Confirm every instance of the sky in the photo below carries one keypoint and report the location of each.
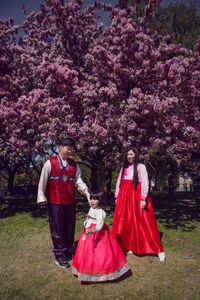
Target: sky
(12, 8)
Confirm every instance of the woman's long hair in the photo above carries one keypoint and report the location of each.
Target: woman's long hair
(126, 165)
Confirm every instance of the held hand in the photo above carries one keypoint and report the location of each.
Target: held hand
(143, 204)
(85, 191)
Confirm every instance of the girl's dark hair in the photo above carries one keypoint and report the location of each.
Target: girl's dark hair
(126, 164)
(100, 196)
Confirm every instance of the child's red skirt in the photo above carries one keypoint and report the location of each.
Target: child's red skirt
(99, 257)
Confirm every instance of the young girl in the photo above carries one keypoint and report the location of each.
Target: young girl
(98, 256)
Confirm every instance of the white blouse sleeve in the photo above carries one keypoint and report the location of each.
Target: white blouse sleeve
(80, 185)
(118, 184)
(44, 177)
(143, 178)
(100, 216)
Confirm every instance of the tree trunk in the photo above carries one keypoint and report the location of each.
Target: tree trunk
(94, 178)
(156, 180)
(172, 176)
(108, 179)
(96, 165)
(11, 177)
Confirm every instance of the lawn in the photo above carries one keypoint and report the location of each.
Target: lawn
(28, 271)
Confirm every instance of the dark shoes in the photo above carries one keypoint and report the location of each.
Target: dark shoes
(61, 261)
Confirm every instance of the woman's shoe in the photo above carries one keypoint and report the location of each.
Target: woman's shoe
(161, 256)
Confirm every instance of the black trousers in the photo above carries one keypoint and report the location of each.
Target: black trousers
(62, 220)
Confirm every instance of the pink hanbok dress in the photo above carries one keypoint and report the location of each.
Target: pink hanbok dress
(134, 229)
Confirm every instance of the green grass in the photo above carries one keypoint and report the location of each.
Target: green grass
(28, 271)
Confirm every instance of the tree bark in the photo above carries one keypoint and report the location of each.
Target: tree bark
(108, 178)
(172, 176)
(94, 178)
(11, 177)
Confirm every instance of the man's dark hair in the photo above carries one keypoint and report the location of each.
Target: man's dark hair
(67, 142)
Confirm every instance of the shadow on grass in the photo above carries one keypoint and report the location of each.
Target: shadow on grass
(10, 205)
(123, 277)
(173, 211)
(73, 249)
(177, 210)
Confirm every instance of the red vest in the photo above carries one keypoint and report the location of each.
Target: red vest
(61, 181)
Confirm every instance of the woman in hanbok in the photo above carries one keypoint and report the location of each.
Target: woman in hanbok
(134, 223)
(98, 256)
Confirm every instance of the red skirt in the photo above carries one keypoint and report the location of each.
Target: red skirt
(134, 229)
(99, 257)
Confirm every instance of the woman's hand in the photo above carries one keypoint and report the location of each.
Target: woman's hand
(88, 230)
(143, 204)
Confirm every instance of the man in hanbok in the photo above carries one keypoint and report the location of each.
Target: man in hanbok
(59, 176)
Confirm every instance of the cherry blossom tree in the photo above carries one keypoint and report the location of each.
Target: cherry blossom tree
(107, 88)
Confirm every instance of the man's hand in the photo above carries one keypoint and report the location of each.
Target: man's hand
(85, 192)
